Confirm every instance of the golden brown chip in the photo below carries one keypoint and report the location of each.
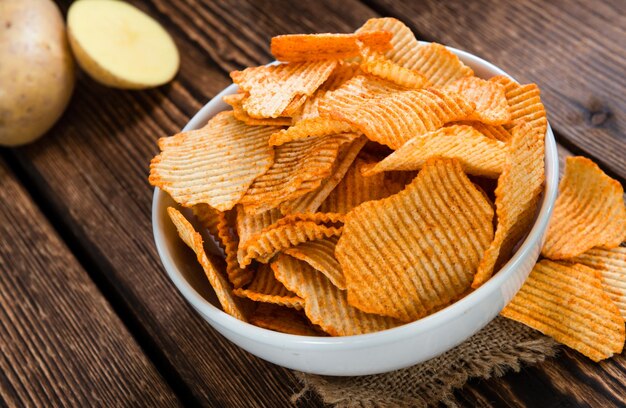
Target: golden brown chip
(283, 320)
(410, 254)
(249, 225)
(375, 63)
(355, 189)
(230, 304)
(493, 132)
(280, 90)
(357, 90)
(492, 107)
(524, 103)
(315, 47)
(312, 200)
(395, 118)
(192, 164)
(314, 127)
(478, 154)
(589, 212)
(567, 303)
(208, 218)
(299, 167)
(324, 304)
(236, 101)
(516, 198)
(320, 254)
(287, 232)
(228, 237)
(611, 263)
(265, 288)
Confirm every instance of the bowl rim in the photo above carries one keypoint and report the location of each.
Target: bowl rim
(449, 313)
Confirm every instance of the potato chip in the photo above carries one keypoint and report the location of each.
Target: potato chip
(286, 232)
(315, 127)
(236, 102)
(248, 225)
(299, 167)
(567, 303)
(516, 198)
(191, 165)
(355, 189)
(265, 288)
(478, 154)
(228, 237)
(611, 263)
(394, 119)
(230, 304)
(356, 91)
(497, 132)
(208, 218)
(524, 104)
(492, 107)
(428, 239)
(375, 63)
(324, 304)
(312, 200)
(320, 254)
(283, 320)
(589, 212)
(280, 90)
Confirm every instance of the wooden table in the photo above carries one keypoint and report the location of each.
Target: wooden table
(87, 314)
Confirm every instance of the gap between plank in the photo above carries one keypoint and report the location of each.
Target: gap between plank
(99, 278)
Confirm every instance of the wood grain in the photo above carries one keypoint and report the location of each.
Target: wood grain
(61, 343)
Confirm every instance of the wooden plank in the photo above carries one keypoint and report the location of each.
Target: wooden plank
(574, 50)
(61, 343)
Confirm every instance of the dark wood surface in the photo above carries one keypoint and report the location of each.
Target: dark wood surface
(82, 197)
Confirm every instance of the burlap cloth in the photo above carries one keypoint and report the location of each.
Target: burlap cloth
(501, 346)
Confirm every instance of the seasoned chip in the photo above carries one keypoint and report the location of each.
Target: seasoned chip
(524, 103)
(497, 132)
(355, 189)
(286, 232)
(314, 127)
(248, 225)
(312, 200)
(320, 254)
(192, 164)
(228, 237)
(265, 288)
(478, 154)
(567, 303)
(315, 47)
(208, 218)
(375, 63)
(230, 304)
(428, 240)
(280, 90)
(236, 101)
(358, 90)
(516, 198)
(589, 212)
(284, 320)
(395, 118)
(611, 263)
(299, 167)
(324, 304)
(492, 107)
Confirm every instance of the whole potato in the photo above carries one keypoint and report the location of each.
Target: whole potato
(36, 69)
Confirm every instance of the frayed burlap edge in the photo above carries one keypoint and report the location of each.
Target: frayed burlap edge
(501, 346)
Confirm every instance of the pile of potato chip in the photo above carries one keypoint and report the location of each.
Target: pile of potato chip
(368, 180)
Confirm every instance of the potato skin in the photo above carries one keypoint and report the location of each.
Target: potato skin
(36, 69)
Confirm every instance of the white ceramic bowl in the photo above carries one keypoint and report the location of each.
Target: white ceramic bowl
(369, 353)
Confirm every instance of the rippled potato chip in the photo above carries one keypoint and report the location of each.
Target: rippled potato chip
(230, 304)
(312, 200)
(320, 254)
(314, 127)
(236, 102)
(280, 90)
(283, 320)
(191, 165)
(375, 63)
(228, 237)
(492, 107)
(567, 303)
(422, 111)
(324, 304)
(208, 218)
(248, 225)
(265, 288)
(589, 212)
(478, 154)
(524, 104)
(517, 195)
(611, 263)
(428, 239)
(299, 167)
(497, 132)
(314, 47)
